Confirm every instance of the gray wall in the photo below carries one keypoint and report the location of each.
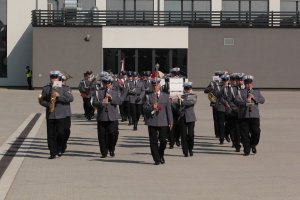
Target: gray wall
(65, 49)
(271, 55)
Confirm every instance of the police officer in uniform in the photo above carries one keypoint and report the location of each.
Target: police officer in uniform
(67, 109)
(214, 87)
(29, 77)
(126, 97)
(187, 119)
(106, 100)
(174, 135)
(86, 89)
(159, 119)
(248, 100)
(54, 99)
(136, 94)
(122, 89)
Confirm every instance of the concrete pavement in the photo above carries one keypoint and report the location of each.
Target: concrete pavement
(214, 172)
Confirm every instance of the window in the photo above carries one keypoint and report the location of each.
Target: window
(289, 6)
(245, 5)
(130, 5)
(238, 13)
(187, 5)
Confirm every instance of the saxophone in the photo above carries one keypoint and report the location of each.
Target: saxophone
(52, 100)
(211, 97)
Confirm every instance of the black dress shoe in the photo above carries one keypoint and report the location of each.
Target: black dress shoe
(186, 155)
(171, 146)
(221, 142)
(162, 160)
(156, 163)
(59, 154)
(227, 138)
(191, 152)
(112, 154)
(246, 154)
(52, 157)
(254, 150)
(103, 156)
(135, 128)
(238, 149)
(178, 143)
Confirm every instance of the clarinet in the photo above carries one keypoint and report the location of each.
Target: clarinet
(105, 93)
(250, 109)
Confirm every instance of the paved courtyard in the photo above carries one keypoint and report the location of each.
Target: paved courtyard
(214, 172)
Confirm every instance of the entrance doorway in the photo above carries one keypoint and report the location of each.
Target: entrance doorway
(145, 59)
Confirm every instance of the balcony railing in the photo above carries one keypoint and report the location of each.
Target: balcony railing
(96, 18)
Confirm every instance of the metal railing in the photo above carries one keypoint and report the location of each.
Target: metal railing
(164, 18)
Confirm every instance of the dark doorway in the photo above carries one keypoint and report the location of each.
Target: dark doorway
(145, 60)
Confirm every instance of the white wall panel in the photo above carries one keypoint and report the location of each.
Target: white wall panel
(274, 5)
(19, 40)
(101, 4)
(148, 37)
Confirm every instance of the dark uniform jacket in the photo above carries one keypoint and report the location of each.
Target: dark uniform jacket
(160, 118)
(188, 103)
(106, 112)
(249, 110)
(136, 91)
(62, 109)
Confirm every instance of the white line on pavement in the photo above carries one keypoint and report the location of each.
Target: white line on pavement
(12, 170)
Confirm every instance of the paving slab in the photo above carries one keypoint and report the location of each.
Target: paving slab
(214, 172)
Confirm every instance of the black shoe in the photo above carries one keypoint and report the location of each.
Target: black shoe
(135, 128)
(254, 150)
(130, 123)
(112, 154)
(221, 142)
(186, 155)
(59, 154)
(178, 143)
(171, 146)
(238, 149)
(52, 157)
(156, 163)
(227, 138)
(191, 152)
(162, 160)
(103, 156)
(246, 154)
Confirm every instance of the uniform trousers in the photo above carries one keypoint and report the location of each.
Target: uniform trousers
(123, 111)
(158, 133)
(107, 136)
(55, 130)
(127, 110)
(250, 133)
(88, 108)
(135, 110)
(215, 118)
(67, 133)
(176, 129)
(234, 130)
(221, 125)
(187, 136)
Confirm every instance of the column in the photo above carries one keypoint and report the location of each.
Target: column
(216, 5)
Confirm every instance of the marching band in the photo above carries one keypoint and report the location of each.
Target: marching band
(166, 104)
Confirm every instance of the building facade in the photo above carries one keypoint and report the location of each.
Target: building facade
(258, 37)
